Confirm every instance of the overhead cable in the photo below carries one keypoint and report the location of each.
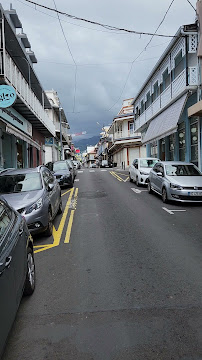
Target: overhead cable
(75, 75)
(141, 54)
(108, 27)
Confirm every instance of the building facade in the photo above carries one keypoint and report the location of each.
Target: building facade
(126, 143)
(161, 105)
(25, 125)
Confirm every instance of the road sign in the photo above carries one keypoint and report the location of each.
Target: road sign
(7, 96)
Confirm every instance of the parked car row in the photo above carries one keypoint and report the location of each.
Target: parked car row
(17, 268)
(172, 180)
(29, 201)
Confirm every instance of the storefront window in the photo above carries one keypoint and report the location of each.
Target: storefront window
(194, 140)
(19, 154)
(182, 143)
(154, 149)
(162, 149)
(171, 139)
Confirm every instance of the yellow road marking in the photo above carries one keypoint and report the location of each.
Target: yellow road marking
(58, 233)
(69, 227)
(126, 179)
(121, 174)
(116, 176)
(45, 248)
(66, 192)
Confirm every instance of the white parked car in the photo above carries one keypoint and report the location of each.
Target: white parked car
(140, 169)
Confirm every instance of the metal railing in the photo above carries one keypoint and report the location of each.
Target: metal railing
(14, 77)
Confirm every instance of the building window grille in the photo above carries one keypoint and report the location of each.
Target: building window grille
(154, 149)
(171, 140)
(182, 141)
(194, 140)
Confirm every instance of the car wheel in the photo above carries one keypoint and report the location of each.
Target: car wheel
(164, 195)
(60, 207)
(49, 229)
(30, 276)
(149, 188)
(137, 181)
(130, 178)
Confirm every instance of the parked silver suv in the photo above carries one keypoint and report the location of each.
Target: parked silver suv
(35, 194)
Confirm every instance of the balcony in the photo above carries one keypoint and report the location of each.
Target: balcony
(27, 103)
(177, 87)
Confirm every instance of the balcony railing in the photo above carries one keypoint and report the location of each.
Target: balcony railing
(177, 86)
(15, 78)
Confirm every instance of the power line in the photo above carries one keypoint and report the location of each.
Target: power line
(191, 5)
(140, 55)
(75, 75)
(101, 64)
(108, 27)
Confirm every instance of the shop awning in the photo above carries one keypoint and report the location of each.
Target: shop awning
(165, 123)
(20, 135)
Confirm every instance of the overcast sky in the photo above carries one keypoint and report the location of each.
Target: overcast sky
(103, 57)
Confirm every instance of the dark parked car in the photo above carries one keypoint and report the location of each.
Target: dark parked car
(35, 194)
(63, 172)
(17, 269)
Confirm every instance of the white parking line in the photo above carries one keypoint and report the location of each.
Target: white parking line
(80, 171)
(91, 170)
(103, 170)
(171, 212)
(76, 180)
(137, 191)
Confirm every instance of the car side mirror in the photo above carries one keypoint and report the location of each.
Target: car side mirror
(50, 187)
(159, 174)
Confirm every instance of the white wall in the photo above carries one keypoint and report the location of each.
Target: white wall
(48, 154)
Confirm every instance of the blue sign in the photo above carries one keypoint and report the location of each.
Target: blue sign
(7, 96)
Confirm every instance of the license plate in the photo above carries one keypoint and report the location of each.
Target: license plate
(194, 193)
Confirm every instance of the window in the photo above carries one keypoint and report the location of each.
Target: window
(166, 80)
(156, 91)
(136, 112)
(5, 219)
(154, 149)
(171, 140)
(20, 182)
(142, 107)
(194, 140)
(182, 143)
(179, 64)
(131, 128)
(148, 101)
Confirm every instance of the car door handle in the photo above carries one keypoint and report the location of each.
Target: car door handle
(8, 262)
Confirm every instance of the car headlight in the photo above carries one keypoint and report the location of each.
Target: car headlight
(176, 187)
(35, 206)
(143, 173)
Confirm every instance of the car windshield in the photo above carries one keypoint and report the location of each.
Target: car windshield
(20, 183)
(182, 170)
(148, 163)
(60, 166)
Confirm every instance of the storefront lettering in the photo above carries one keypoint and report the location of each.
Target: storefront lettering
(8, 112)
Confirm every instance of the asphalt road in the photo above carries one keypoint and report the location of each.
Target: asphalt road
(120, 279)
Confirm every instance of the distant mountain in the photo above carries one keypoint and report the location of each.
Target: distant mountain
(83, 143)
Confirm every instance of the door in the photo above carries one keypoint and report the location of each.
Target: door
(159, 178)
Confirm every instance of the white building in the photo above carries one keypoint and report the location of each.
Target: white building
(126, 143)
